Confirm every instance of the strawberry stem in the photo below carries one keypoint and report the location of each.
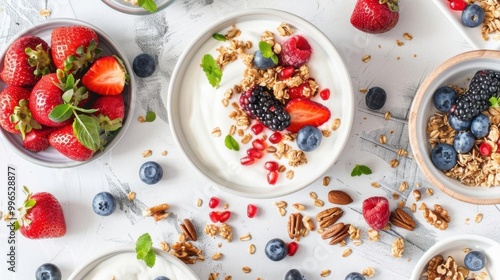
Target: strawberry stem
(40, 59)
(21, 116)
(391, 4)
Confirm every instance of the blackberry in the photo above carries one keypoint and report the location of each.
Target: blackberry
(260, 103)
(483, 86)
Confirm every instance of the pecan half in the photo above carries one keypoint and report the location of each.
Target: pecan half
(338, 233)
(189, 230)
(402, 219)
(295, 226)
(158, 212)
(329, 216)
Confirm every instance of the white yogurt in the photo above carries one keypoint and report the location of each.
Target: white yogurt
(127, 266)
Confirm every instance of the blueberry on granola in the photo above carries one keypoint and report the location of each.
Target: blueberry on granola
(444, 156)
(444, 98)
(480, 126)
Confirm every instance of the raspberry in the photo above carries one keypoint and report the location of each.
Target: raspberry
(295, 51)
(376, 212)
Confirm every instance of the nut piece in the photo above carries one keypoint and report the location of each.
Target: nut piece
(338, 233)
(438, 217)
(398, 247)
(438, 268)
(325, 273)
(339, 197)
(308, 223)
(295, 226)
(189, 230)
(417, 195)
(158, 212)
(402, 219)
(329, 216)
(369, 271)
(217, 256)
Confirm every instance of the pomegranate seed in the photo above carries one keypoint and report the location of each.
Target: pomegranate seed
(251, 210)
(292, 248)
(458, 5)
(257, 128)
(485, 149)
(252, 152)
(247, 160)
(286, 73)
(275, 138)
(224, 216)
(324, 94)
(214, 216)
(272, 177)
(258, 144)
(271, 165)
(213, 202)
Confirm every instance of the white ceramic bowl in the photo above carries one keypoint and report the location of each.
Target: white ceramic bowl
(128, 8)
(124, 259)
(51, 157)
(472, 35)
(458, 71)
(195, 108)
(454, 246)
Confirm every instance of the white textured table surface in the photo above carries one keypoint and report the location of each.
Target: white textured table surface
(398, 69)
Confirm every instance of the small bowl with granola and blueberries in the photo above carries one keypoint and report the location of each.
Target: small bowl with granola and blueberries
(454, 127)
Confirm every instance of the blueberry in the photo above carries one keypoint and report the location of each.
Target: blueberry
(48, 271)
(472, 16)
(464, 141)
(161, 278)
(354, 276)
(104, 204)
(474, 260)
(444, 98)
(308, 138)
(480, 126)
(151, 172)
(458, 124)
(375, 98)
(262, 62)
(293, 274)
(276, 249)
(144, 65)
(444, 156)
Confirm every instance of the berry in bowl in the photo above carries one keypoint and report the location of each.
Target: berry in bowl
(65, 93)
(459, 257)
(261, 103)
(454, 127)
(136, 7)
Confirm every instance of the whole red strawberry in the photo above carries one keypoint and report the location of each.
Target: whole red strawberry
(375, 16)
(37, 140)
(73, 47)
(64, 140)
(41, 216)
(15, 117)
(376, 212)
(25, 61)
(110, 111)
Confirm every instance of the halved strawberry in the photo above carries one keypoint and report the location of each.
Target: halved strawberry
(306, 112)
(107, 76)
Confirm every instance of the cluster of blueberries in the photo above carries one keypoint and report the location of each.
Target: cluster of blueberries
(444, 156)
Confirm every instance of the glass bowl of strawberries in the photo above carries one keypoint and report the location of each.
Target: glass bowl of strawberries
(136, 7)
(65, 93)
(454, 127)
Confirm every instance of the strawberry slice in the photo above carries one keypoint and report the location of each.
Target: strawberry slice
(306, 112)
(376, 212)
(107, 76)
(303, 90)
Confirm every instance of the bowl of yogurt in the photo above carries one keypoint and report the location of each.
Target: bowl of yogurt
(122, 263)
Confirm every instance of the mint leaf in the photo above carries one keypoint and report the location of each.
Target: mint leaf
(231, 143)
(87, 132)
(61, 113)
(150, 116)
(219, 37)
(358, 170)
(212, 70)
(144, 249)
(494, 101)
(267, 51)
(148, 5)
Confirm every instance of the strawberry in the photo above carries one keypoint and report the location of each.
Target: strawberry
(64, 140)
(41, 216)
(37, 140)
(107, 76)
(375, 16)
(110, 111)
(73, 47)
(45, 96)
(376, 212)
(307, 90)
(25, 61)
(15, 117)
(306, 112)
